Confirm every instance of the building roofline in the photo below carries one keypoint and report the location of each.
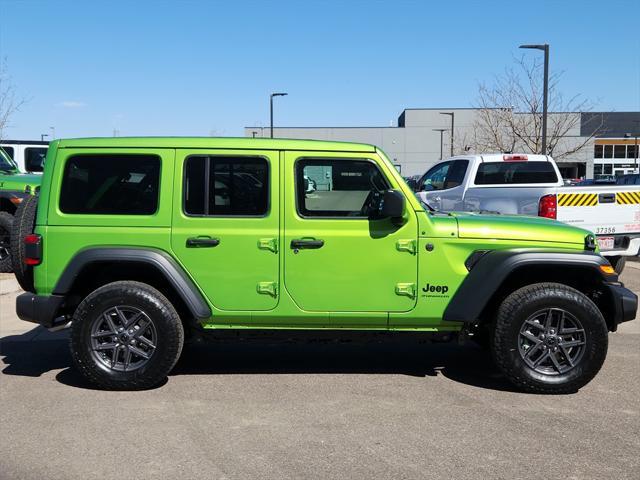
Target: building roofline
(293, 128)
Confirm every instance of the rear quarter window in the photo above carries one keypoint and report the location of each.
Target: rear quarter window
(514, 173)
(110, 185)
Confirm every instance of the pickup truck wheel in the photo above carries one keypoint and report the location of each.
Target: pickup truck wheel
(24, 223)
(618, 263)
(126, 336)
(549, 338)
(6, 225)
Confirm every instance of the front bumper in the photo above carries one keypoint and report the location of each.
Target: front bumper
(41, 309)
(625, 303)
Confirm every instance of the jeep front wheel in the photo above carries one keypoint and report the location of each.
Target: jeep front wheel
(549, 338)
(126, 336)
(618, 263)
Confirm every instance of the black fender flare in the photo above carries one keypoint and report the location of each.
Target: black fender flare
(160, 260)
(488, 271)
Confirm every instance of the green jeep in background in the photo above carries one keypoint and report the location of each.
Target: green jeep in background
(139, 242)
(14, 187)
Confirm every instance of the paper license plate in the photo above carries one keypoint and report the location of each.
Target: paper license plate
(605, 243)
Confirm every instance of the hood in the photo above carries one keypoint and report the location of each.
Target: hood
(18, 181)
(512, 227)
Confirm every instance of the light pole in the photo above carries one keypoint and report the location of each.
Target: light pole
(42, 135)
(441, 130)
(635, 151)
(271, 107)
(452, 118)
(545, 91)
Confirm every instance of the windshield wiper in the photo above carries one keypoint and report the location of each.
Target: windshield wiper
(429, 207)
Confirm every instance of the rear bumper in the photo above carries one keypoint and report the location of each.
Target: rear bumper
(41, 309)
(625, 303)
(626, 245)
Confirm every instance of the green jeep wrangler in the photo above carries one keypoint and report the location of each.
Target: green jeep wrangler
(138, 242)
(14, 188)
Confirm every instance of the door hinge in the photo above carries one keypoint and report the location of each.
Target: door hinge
(268, 288)
(406, 246)
(270, 244)
(406, 289)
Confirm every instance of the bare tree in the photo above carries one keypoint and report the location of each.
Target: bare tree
(9, 102)
(510, 114)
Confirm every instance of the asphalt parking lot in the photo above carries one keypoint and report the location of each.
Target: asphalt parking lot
(312, 410)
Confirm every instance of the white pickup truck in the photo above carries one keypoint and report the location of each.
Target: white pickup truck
(522, 184)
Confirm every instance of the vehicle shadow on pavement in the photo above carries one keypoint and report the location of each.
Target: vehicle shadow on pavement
(36, 352)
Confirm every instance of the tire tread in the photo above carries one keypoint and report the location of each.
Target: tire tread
(505, 313)
(86, 364)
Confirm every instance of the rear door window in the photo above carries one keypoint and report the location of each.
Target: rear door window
(226, 186)
(513, 173)
(110, 185)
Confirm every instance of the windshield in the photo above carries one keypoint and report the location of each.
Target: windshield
(6, 164)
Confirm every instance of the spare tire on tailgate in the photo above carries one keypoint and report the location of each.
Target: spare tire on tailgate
(24, 222)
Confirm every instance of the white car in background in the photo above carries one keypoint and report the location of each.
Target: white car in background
(28, 155)
(522, 184)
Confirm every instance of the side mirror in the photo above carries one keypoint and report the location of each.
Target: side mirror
(391, 204)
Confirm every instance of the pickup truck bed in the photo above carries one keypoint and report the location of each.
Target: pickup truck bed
(611, 212)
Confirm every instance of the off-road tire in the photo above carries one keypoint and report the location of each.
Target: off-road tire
(167, 323)
(23, 224)
(618, 263)
(518, 307)
(6, 227)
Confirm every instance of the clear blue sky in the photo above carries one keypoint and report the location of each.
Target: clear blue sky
(198, 67)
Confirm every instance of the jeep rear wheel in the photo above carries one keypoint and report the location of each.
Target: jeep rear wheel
(6, 225)
(549, 338)
(126, 336)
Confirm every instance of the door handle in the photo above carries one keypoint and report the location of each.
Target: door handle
(310, 243)
(607, 198)
(202, 242)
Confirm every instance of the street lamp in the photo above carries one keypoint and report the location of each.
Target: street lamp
(452, 117)
(441, 130)
(271, 107)
(545, 91)
(635, 152)
(42, 135)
